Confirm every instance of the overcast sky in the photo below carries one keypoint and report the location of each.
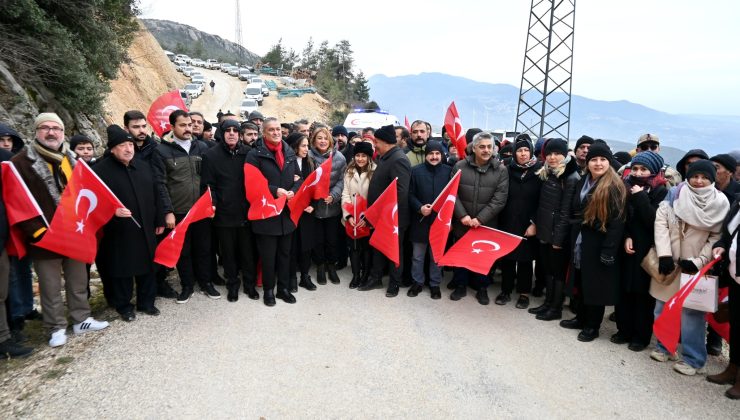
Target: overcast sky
(677, 56)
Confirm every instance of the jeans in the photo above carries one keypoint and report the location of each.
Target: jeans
(417, 266)
(693, 330)
(20, 291)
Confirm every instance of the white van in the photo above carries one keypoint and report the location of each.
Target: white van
(254, 91)
(362, 118)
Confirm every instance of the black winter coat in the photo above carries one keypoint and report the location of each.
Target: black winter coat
(482, 193)
(125, 250)
(640, 226)
(599, 282)
(391, 165)
(146, 150)
(521, 209)
(223, 171)
(180, 172)
(308, 225)
(427, 182)
(556, 198)
(283, 178)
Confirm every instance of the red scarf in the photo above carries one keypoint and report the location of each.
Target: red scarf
(277, 150)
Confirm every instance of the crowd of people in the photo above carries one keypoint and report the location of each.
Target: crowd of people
(591, 218)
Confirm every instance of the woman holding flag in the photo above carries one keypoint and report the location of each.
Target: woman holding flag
(356, 181)
(305, 234)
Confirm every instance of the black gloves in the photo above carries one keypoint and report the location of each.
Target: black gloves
(688, 267)
(666, 265)
(607, 260)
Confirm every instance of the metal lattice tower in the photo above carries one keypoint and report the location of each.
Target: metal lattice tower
(238, 34)
(547, 74)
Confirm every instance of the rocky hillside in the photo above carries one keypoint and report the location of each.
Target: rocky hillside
(184, 39)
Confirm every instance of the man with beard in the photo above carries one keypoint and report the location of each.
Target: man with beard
(256, 118)
(402, 137)
(126, 251)
(419, 136)
(340, 134)
(249, 133)
(303, 126)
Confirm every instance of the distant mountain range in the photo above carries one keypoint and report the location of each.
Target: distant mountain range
(184, 39)
(427, 95)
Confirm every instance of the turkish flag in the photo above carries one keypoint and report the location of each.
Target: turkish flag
(262, 205)
(85, 206)
(383, 215)
(406, 122)
(479, 248)
(444, 206)
(160, 110)
(667, 326)
(454, 129)
(315, 186)
(357, 210)
(168, 251)
(722, 328)
(20, 205)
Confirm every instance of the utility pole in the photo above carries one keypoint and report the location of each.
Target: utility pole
(238, 34)
(544, 94)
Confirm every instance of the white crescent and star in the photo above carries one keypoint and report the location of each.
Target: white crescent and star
(93, 204)
(475, 250)
(450, 198)
(319, 172)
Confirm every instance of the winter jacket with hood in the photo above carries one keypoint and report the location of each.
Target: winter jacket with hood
(222, 169)
(18, 143)
(482, 192)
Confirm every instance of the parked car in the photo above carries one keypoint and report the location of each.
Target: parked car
(254, 92)
(193, 89)
(234, 71)
(247, 106)
(200, 81)
(183, 57)
(244, 74)
(212, 64)
(265, 90)
(256, 80)
(188, 70)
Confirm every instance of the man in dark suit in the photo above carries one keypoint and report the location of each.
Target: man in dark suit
(392, 163)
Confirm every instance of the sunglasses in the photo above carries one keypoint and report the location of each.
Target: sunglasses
(231, 130)
(646, 146)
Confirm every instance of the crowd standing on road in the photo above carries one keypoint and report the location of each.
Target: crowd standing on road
(590, 221)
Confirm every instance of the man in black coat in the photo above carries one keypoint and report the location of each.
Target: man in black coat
(277, 162)
(126, 251)
(392, 164)
(427, 182)
(223, 171)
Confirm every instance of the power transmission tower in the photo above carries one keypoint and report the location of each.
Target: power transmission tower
(547, 73)
(238, 34)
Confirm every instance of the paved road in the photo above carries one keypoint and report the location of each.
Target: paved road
(227, 94)
(339, 353)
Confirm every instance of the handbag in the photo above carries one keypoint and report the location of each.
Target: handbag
(650, 265)
(705, 295)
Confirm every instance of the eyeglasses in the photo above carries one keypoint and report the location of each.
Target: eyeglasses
(50, 129)
(646, 146)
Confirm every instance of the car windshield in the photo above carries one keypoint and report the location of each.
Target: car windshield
(249, 103)
(191, 86)
(254, 91)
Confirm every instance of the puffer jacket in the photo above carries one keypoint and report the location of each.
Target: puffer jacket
(336, 184)
(180, 172)
(416, 154)
(554, 207)
(482, 192)
(355, 183)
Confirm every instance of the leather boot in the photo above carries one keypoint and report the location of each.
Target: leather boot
(548, 298)
(332, 272)
(354, 260)
(371, 284)
(555, 311)
(306, 282)
(320, 274)
(725, 378)
(734, 392)
(293, 283)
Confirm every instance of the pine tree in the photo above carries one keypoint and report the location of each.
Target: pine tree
(361, 91)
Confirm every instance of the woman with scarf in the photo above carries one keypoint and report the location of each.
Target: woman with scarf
(356, 181)
(303, 237)
(327, 211)
(687, 225)
(559, 176)
(646, 188)
(597, 220)
(518, 218)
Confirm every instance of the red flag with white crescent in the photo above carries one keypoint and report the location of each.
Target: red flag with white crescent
(667, 326)
(444, 207)
(383, 215)
(722, 328)
(262, 205)
(315, 186)
(160, 110)
(84, 207)
(20, 205)
(357, 210)
(454, 129)
(168, 251)
(479, 248)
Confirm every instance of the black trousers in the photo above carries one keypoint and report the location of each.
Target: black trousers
(540, 270)
(238, 253)
(519, 271)
(327, 240)
(194, 264)
(300, 260)
(120, 290)
(380, 262)
(734, 322)
(635, 316)
(591, 315)
(275, 254)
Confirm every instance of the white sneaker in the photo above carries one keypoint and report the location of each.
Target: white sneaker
(90, 324)
(662, 357)
(685, 369)
(58, 338)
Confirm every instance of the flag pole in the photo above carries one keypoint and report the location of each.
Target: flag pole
(443, 190)
(505, 233)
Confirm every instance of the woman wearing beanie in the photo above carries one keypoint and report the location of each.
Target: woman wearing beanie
(356, 181)
(328, 210)
(646, 188)
(518, 217)
(597, 220)
(303, 237)
(559, 177)
(687, 224)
